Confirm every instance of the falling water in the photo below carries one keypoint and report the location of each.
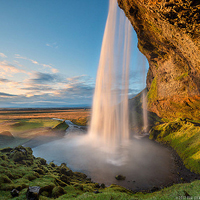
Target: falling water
(144, 99)
(109, 123)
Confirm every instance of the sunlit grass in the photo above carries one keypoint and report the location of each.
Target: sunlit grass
(184, 136)
(29, 124)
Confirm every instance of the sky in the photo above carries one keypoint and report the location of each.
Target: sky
(50, 50)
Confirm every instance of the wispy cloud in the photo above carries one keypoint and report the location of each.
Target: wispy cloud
(3, 55)
(8, 69)
(53, 70)
(40, 78)
(52, 45)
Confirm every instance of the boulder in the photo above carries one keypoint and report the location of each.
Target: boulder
(14, 193)
(57, 191)
(33, 193)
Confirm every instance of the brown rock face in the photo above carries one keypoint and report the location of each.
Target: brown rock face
(169, 36)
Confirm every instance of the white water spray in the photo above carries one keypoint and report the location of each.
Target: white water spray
(109, 124)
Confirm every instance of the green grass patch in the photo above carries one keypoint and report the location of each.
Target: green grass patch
(81, 121)
(29, 124)
(62, 126)
(184, 136)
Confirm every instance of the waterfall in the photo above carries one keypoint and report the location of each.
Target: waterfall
(109, 123)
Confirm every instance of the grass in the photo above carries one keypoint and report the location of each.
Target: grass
(62, 126)
(29, 124)
(67, 114)
(81, 121)
(183, 136)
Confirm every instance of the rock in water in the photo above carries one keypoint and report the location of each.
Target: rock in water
(120, 177)
(33, 193)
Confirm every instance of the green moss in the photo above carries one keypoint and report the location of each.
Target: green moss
(81, 121)
(62, 126)
(57, 191)
(181, 77)
(152, 94)
(29, 124)
(183, 136)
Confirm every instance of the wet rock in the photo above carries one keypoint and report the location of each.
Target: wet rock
(120, 177)
(14, 193)
(33, 193)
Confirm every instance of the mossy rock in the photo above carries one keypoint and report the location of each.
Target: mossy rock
(78, 186)
(120, 177)
(47, 190)
(52, 164)
(30, 176)
(65, 179)
(5, 150)
(4, 179)
(39, 171)
(66, 171)
(80, 175)
(42, 161)
(57, 191)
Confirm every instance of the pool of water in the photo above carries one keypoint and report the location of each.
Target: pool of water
(145, 163)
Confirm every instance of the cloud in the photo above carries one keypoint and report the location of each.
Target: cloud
(40, 78)
(2, 94)
(3, 80)
(8, 69)
(49, 90)
(52, 45)
(53, 70)
(3, 55)
(38, 88)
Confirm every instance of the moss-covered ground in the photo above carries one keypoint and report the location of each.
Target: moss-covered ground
(29, 124)
(81, 121)
(183, 136)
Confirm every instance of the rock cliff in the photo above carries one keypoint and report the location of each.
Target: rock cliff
(169, 36)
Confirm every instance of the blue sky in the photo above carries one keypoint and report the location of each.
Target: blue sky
(49, 52)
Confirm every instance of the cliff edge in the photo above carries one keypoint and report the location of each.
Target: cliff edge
(169, 36)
